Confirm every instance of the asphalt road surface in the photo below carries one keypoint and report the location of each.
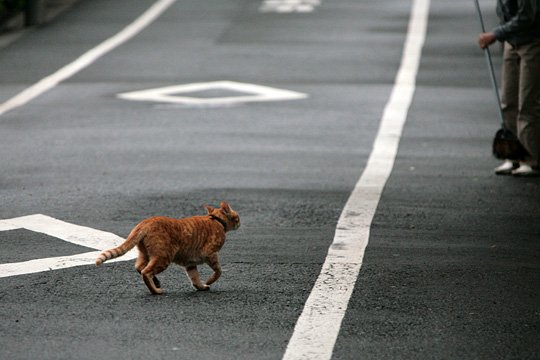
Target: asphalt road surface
(452, 268)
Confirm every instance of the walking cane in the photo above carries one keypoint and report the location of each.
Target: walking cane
(505, 144)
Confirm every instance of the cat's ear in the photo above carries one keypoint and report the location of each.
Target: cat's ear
(225, 207)
(209, 208)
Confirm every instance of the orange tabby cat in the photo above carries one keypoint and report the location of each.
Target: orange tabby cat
(187, 242)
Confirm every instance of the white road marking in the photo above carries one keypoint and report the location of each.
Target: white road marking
(318, 326)
(247, 93)
(72, 233)
(87, 58)
(289, 6)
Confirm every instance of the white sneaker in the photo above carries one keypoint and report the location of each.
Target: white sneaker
(525, 170)
(506, 168)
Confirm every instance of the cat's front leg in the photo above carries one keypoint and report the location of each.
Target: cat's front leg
(193, 275)
(213, 262)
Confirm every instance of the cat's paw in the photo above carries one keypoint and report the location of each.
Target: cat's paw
(203, 288)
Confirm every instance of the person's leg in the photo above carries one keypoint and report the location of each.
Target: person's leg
(509, 100)
(528, 121)
(510, 87)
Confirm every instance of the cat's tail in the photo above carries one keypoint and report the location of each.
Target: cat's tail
(133, 239)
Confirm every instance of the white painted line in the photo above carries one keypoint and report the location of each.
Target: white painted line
(56, 263)
(318, 326)
(87, 58)
(76, 234)
(4, 226)
(289, 6)
(248, 93)
(47, 264)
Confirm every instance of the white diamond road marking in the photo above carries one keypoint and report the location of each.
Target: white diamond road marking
(75, 234)
(248, 93)
(289, 6)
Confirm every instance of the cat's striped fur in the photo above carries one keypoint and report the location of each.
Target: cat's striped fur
(187, 242)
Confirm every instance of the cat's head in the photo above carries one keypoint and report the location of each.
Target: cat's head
(225, 215)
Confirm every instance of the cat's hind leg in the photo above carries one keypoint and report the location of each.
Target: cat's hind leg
(195, 278)
(154, 267)
(142, 262)
(213, 262)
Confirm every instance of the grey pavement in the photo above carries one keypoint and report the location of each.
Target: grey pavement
(452, 266)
